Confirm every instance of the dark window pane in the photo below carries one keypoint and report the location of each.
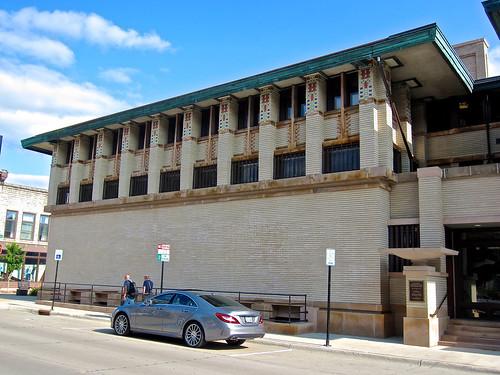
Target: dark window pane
(170, 181)
(285, 104)
(244, 171)
(62, 195)
(290, 165)
(110, 189)
(205, 176)
(85, 192)
(341, 158)
(402, 236)
(138, 185)
(243, 113)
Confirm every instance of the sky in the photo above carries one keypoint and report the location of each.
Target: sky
(65, 62)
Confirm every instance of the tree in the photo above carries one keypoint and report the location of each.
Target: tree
(14, 258)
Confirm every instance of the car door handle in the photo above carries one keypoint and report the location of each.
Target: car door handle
(185, 311)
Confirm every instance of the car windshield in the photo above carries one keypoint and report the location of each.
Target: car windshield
(220, 301)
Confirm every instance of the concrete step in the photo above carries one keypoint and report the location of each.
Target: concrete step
(472, 334)
(470, 345)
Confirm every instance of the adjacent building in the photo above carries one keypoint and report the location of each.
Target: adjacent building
(392, 144)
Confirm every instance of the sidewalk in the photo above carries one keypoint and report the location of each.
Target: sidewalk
(383, 349)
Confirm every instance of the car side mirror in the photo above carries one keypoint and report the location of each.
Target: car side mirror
(148, 302)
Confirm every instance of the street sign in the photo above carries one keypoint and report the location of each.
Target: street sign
(330, 257)
(58, 254)
(163, 253)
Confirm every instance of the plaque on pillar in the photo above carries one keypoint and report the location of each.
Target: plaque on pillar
(416, 289)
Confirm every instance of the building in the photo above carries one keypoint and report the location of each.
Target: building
(392, 144)
(25, 222)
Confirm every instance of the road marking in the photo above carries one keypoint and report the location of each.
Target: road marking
(260, 353)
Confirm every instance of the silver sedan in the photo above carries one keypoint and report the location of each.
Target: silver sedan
(193, 316)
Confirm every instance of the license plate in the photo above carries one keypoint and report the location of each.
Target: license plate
(248, 319)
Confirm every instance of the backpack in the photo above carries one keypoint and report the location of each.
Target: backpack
(133, 289)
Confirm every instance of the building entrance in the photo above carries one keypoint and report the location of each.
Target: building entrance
(474, 282)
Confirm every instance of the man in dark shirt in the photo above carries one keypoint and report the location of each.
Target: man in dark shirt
(147, 288)
(127, 299)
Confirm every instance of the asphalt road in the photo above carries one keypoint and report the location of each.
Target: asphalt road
(56, 345)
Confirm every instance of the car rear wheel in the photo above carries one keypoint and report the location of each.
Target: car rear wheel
(122, 325)
(235, 342)
(194, 336)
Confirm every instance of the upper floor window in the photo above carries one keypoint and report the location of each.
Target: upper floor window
(117, 142)
(27, 226)
(244, 171)
(175, 128)
(110, 189)
(402, 236)
(62, 195)
(170, 181)
(205, 176)
(10, 225)
(144, 139)
(249, 112)
(290, 165)
(342, 91)
(339, 158)
(92, 147)
(85, 192)
(209, 121)
(138, 185)
(43, 230)
(292, 102)
(69, 152)
(397, 161)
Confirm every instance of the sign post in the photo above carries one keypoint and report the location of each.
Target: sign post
(163, 256)
(330, 262)
(57, 257)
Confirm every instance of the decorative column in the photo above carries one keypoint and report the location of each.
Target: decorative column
(56, 172)
(315, 108)
(129, 144)
(402, 98)
(269, 115)
(375, 118)
(103, 149)
(228, 120)
(80, 151)
(191, 132)
(159, 137)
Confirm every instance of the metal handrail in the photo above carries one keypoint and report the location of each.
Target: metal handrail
(439, 307)
(291, 300)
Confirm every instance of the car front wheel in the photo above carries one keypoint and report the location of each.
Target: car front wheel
(235, 342)
(194, 336)
(122, 325)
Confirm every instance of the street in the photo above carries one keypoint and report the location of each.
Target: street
(56, 345)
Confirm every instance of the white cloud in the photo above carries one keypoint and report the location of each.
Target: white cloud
(81, 26)
(494, 62)
(41, 182)
(36, 100)
(118, 75)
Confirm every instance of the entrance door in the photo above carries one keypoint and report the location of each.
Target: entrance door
(476, 273)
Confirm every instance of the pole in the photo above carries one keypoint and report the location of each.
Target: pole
(161, 285)
(55, 283)
(328, 307)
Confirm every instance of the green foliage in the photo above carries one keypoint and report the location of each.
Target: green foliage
(33, 292)
(14, 258)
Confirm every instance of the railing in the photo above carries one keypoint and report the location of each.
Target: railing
(439, 307)
(287, 307)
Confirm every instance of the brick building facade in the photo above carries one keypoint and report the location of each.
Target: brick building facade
(251, 181)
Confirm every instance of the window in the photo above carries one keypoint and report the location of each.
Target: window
(342, 91)
(290, 165)
(402, 236)
(43, 230)
(209, 121)
(144, 136)
(27, 226)
(85, 192)
(10, 225)
(138, 185)
(339, 158)
(92, 146)
(205, 176)
(170, 181)
(117, 142)
(397, 161)
(244, 171)
(249, 112)
(292, 102)
(69, 152)
(175, 128)
(110, 189)
(62, 195)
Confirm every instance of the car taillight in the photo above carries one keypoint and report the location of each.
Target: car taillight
(260, 320)
(227, 318)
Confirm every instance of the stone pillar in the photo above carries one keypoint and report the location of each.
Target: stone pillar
(56, 171)
(269, 115)
(159, 137)
(402, 98)
(228, 122)
(375, 118)
(190, 134)
(315, 108)
(129, 144)
(80, 152)
(104, 148)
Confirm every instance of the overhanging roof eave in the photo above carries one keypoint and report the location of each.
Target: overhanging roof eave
(392, 44)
